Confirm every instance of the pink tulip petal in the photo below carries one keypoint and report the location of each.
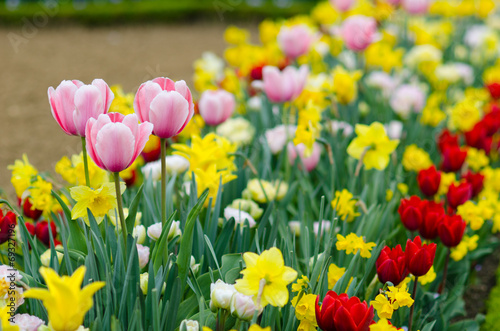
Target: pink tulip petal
(90, 142)
(106, 93)
(145, 94)
(62, 105)
(142, 138)
(115, 146)
(88, 103)
(165, 83)
(169, 112)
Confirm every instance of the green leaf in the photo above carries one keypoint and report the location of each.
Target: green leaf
(132, 210)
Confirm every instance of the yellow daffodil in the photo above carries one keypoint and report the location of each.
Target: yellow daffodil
(399, 297)
(266, 278)
(372, 145)
(334, 275)
(305, 311)
(22, 172)
(353, 244)
(301, 285)
(41, 195)
(73, 171)
(429, 277)
(383, 325)
(467, 244)
(382, 306)
(476, 159)
(415, 159)
(66, 302)
(447, 178)
(345, 205)
(464, 115)
(234, 35)
(100, 201)
(256, 327)
(122, 102)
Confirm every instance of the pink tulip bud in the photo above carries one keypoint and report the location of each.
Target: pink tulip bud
(216, 106)
(342, 5)
(311, 161)
(359, 32)
(295, 41)
(165, 103)
(114, 141)
(416, 7)
(72, 104)
(285, 85)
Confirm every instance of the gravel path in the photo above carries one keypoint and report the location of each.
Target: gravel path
(125, 55)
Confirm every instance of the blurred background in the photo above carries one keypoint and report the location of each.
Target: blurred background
(123, 42)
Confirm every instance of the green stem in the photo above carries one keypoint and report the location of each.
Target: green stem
(120, 208)
(445, 272)
(410, 322)
(85, 162)
(163, 181)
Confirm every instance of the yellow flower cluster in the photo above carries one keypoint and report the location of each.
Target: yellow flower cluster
(334, 275)
(122, 102)
(432, 114)
(394, 298)
(262, 191)
(41, 196)
(345, 206)
(352, 244)
(383, 55)
(73, 171)
(472, 214)
(476, 159)
(345, 85)
(211, 161)
(467, 244)
(22, 173)
(308, 127)
(464, 115)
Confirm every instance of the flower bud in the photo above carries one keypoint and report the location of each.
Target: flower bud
(220, 295)
(143, 253)
(45, 257)
(154, 231)
(139, 233)
(175, 230)
(144, 279)
(189, 325)
(243, 307)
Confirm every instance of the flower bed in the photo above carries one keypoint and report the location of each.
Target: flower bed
(341, 174)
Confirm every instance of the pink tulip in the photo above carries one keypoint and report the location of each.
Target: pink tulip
(73, 103)
(114, 141)
(295, 41)
(359, 32)
(165, 103)
(416, 7)
(216, 106)
(342, 5)
(311, 161)
(394, 2)
(285, 85)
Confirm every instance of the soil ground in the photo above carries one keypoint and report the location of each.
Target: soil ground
(126, 55)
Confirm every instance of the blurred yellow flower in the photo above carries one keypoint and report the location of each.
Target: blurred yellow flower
(334, 275)
(383, 325)
(73, 171)
(467, 244)
(122, 102)
(22, 172)
(345, 84)
(382, 306)
(447, 178)
(415, 159)
(464, 115)
(429, 277)
(263, 191)
(476, 159)
(66, 302)
(234, 35)
(4, 320)
(344, 205)
(353, 244)
(471, 214)
(372, 145)
(324, 13)
(266, 278)
(384, 56)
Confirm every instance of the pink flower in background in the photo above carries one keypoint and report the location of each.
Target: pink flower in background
(407, 98)
(278, 136)
(216, 106)
(72, 104)
(359, 32)
(416, 7)
(342, 5)
(165, 103)
(311, 161)
(295, 41)
(394, 2)
(285, 85)
(114, 141)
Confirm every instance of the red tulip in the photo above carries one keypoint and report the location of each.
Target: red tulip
(31, 212)
(42, 231)
(478, 137)
(419, 258)
(341, 313)
(391, 265)
(7, 224)
(429, 180)
(445, 139)
(31, 228)
(453, 158)
(432, 216)
(451, 230)
(494, 89)
(492, 120)
(458, 194)
(410, 211)
(476, 181)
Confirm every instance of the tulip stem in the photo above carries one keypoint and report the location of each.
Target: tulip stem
(410, 322)
(163, 149)
(445, 272)
(85, 162)
(120, 208)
